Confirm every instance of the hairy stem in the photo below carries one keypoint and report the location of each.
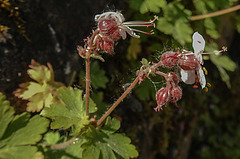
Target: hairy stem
(214, 14)
(118, 101)
(87, 84)
(88, 55)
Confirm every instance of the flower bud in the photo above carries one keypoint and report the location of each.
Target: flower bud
(169, 58)
(162, 97)
(176, 94)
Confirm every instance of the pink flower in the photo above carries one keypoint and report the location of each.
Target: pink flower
(112, 27)
(110, 22)
(190, 63)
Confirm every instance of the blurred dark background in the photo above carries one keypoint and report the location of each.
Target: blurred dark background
(204, 126)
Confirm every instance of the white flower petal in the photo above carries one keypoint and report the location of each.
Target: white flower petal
(188, 76)
(198, 45)
(198, 42)
(118, 16)
(201, 77)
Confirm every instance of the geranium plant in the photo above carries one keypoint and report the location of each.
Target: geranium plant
(72, 111)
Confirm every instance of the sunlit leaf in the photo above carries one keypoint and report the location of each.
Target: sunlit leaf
(106, 143)
(39, 73)
(19, 133)
(72, 113)
(6, 114)
(42, 92)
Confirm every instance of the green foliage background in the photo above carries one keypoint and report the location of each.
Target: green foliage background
(205, 125)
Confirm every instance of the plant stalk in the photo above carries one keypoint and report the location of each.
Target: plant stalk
(118, 101)
(87, 84)
(214, 14)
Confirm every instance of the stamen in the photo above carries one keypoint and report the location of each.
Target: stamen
(206, 89)
(208, 84)
(205, 70)
(144, 32)
(142, 23)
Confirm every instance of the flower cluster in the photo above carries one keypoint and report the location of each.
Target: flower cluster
(191, 71)
(112, 27)
(189, 63)
(171, 93)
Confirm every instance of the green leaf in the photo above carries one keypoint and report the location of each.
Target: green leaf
(41, 93)
(145, 91)
(101, 105)
(72, 113)
(165, 26)
(211, 28)
(36, 126)
(176, 23)
(20, 152)
(224, 61)
(97, 75)
(107, 144)
(19, 134)
(6, 114)
(39, 73)
(52, 137)
(152, 6)
(134, 49)
(135, 4)
(183, 32)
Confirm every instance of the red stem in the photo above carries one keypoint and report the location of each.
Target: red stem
(87, 84)
(118, 101)
(88, 80)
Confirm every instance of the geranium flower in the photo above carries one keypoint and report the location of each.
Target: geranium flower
(113, 22)
(190, 63)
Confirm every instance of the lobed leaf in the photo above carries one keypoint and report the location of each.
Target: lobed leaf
(152, 6)
(72, 113)
(6, 114)
(41, 93)
(106, 143)
(18, 133)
